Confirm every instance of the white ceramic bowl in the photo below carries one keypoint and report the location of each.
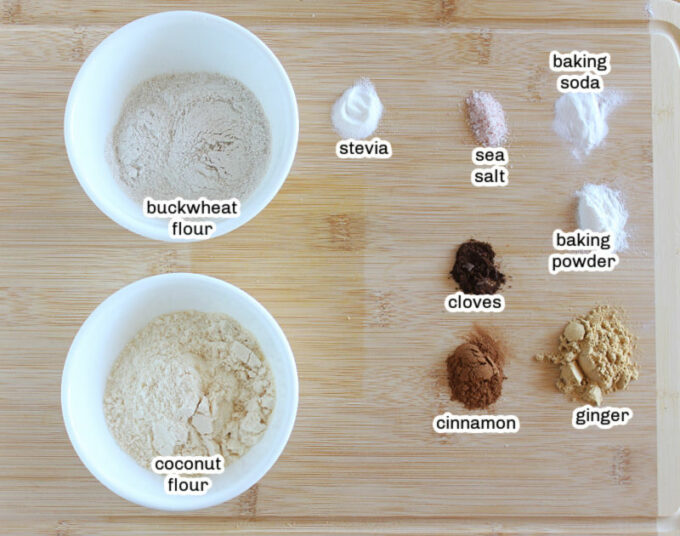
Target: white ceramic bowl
(97, 345)
(174, 41)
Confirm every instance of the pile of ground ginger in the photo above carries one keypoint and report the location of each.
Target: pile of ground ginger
(594, 355)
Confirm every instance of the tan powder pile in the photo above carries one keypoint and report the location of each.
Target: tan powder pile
(191, 135)
(189, 384)
(594, 355)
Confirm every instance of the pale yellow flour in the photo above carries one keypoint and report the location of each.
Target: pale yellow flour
(189, 384)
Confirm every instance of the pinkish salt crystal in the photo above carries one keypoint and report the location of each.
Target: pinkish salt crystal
(487, 119)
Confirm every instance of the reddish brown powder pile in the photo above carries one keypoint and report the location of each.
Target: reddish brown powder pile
(475, 371)
(486, 119)
(475, 268)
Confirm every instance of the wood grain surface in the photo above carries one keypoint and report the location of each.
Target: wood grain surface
(352, 258)
(666, 94)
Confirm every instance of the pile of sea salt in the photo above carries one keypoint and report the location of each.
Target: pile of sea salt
(486, 119)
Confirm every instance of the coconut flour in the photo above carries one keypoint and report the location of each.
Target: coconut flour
(191, 135)
(189, 384)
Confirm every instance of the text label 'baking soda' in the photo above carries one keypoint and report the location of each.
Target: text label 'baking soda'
(474, 303)
(598, 245)
(174, 466)
(604, 418)
(448, 423)
(591, 66)
(497, 174)
(178, 210)
(375, 148)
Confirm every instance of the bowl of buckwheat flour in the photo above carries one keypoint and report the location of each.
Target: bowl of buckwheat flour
(181, 109)
(177, 366)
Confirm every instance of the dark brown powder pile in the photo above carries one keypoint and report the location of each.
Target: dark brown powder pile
(475, 269)
(475, 371)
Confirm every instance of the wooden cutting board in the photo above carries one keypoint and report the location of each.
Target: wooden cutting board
(352, 259)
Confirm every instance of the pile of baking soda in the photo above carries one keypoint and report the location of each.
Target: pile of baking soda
(581, 119)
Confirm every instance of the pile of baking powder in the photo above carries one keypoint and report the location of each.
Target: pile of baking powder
(191, 135)
(189, 384)
(601, 209)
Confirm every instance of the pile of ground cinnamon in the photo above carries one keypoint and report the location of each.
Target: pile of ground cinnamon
(475, 370)
(475, 268)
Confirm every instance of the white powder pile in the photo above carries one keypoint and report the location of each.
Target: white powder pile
(649, 11)
(356, 114)
(601, 209)
(191, 135)
(189, 384)
(581, 119)
(486, 118)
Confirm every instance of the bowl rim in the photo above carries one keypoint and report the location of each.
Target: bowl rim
(127, 490)
(151, 229)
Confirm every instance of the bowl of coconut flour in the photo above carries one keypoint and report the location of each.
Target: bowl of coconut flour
(185, 105)
(179, 365)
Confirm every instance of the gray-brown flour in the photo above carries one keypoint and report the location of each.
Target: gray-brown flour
(189, 384)
(191, 135)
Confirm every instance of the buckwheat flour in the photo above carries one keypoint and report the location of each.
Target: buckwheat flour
(189, 384)
(594, 356)
(191, 135)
